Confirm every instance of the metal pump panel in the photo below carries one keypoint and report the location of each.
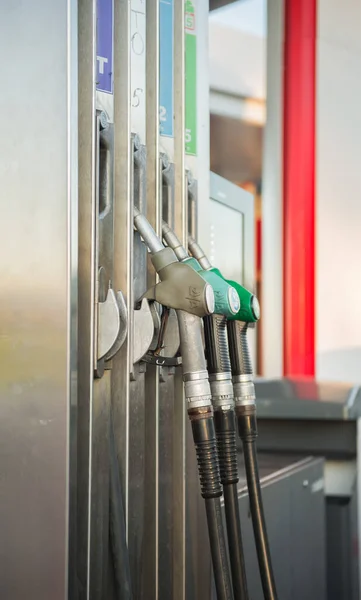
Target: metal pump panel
(121, 88)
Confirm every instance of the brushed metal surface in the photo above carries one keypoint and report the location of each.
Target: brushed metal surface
(167, 540)
(172, 571)
(38, 298)
(99, 489)
(123, 228)
(198, 569)
(96, 275)
(151, 398)
(136, 273)
(55, 484)
(136, 488)
(86, 292)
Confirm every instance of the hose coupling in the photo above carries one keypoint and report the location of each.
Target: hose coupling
(243, 389)
(197, 390)
(222, 390)
(247, 422)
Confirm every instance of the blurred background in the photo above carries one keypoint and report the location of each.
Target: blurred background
(238, 106)
(284, 121)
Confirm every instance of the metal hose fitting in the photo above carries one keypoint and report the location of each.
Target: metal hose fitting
(218, 363)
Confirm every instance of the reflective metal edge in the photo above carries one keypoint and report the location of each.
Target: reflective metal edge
(73, 214)
(181, 229)
(137, 275)
(86, 293)
(123, 234)
(38, 299)
(198, 563)
(151, 400)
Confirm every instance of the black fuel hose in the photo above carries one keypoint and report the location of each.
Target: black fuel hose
(235, 545)
(206, 448)
(247, 426)
(117, 529)
(248, 431)
(218, 364)
(218, 548)
(227, 451)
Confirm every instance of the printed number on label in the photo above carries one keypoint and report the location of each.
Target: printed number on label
(136, 97)
(162, 114)
(188, 136)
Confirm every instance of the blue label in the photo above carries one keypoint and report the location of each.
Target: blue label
(166, 67)
(105, 46)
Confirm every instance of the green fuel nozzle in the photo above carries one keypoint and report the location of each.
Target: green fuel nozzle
(237, 327)
(226, 297)
(249, 309)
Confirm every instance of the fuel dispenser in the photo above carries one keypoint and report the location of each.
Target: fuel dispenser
(117, 334)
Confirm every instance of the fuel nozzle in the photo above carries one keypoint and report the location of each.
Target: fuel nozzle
(219, 361)
(245, 403)
(199, 403)
(237, 327)
(212, 470)
(227, 301)
(241, 364)
(183, 284)
(245, 400)
(180, 287)
(179, 279)
(249, 309)
(182, 280)
(227, 304)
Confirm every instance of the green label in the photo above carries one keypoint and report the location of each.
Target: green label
(191, 79)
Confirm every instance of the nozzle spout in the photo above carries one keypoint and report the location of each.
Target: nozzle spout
(174, 242)
(147, 232)
(197, 252)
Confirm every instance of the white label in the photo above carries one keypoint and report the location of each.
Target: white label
(138, 67)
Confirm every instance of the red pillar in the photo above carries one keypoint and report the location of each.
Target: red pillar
(298, 187)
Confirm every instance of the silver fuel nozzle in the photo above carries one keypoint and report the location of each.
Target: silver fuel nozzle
(147, 232)
(195, 374)
(181, 287)
(174, 242)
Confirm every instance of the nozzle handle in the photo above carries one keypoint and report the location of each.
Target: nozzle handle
(216, 344)
(238, 348)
